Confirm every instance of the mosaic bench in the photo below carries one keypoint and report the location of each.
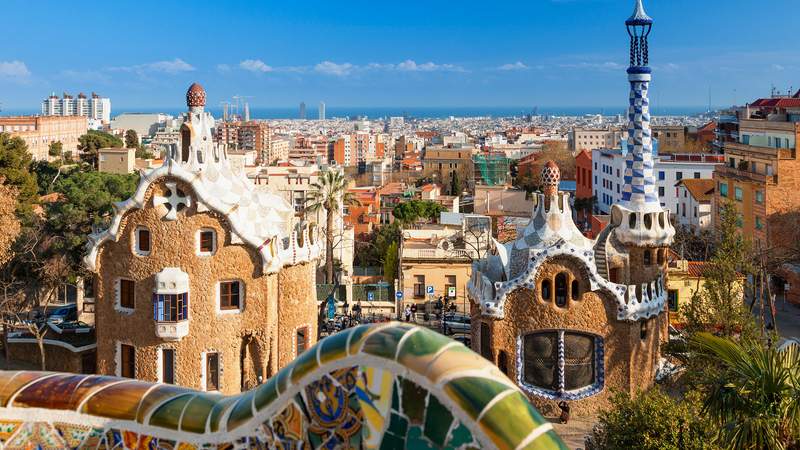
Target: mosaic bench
(387, 386)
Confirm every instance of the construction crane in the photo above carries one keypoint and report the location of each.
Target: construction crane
(236, 98)
(225, 108)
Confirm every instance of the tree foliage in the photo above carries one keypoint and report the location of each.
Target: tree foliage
(329, 193)
(413, 210)
(718, 306)
(93, 141)
(131, 139)
(87, 199)
(754, 403)
(390, 261)
(371, 250)
(652, 421)
(55, 149)
(9, 222)
(15, 161)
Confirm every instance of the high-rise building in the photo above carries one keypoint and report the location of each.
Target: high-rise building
(95, 108)
(302, 110)
(321, 110)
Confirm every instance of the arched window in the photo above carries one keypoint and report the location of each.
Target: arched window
(552, 375)
(632, 220)
(576, 290)
(648, 221)
(648, 258)
(561, 289)
(643, 330)
(546, 290)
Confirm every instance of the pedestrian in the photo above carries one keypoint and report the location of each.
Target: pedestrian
(414, 312)
(564, 411)
(408, 313)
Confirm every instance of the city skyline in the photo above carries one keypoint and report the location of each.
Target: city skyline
(551, 53)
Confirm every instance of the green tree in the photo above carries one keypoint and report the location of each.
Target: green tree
(131, 139)
(329, 193)
(390, 260)
(652, 421)
(718, 306)
(55, 149)
(455, 185)
(93, 141)
(144, 153)
(15, 161)
(755, 401)
(88, 199)
(413, 210)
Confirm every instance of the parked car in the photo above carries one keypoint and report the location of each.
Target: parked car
(456, 323)
(465, 339)
(66, 313)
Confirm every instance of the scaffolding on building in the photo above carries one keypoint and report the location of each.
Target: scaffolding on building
(493, 169)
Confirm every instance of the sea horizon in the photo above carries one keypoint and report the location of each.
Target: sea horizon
(418, 112)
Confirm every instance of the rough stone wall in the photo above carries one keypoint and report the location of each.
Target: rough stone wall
(56, 359)
(297, 307)
(173, 244)
(628, 360)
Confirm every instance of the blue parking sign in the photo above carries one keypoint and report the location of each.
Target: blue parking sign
(399, 295)
(429, 290)
(370, 296)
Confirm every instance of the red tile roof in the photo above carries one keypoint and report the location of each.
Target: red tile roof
(777, 103)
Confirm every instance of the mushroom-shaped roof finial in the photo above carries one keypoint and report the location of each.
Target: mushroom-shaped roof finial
(551, 174)
(196, 95)
(639, 16)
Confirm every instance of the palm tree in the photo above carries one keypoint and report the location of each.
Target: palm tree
(329, 194)
(755, 400)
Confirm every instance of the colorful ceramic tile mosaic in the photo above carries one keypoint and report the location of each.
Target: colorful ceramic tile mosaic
(388, 386)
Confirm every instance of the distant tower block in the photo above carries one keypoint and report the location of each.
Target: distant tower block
(302, 110)
(321, 110)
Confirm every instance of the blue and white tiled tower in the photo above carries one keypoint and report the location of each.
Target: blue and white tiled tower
(639, 191)
(642, 219)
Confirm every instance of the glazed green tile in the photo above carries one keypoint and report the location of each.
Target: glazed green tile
(304, 364)
(156, 396)
(242, 410)
(460, 437)
(384, 342)
(283, 376)
(438, 420)
(118, 401)
(392, 442)
(197, 411)
(474, 393)
(218, 411)
(398, 425)
(415, 440)
(546, 441)
(414, 401)
(357, 334)
(168, 415)
(333, 347)
(266, 393)
(422, 342)
(509, 421)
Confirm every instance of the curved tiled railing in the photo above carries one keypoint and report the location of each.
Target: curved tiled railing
(379, 386)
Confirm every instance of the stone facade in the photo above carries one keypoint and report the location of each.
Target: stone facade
(192, 225)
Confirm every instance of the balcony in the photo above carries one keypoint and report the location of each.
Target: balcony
(745, 175)
(439, 254)
(172, 331)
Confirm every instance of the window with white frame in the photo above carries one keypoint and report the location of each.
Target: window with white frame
(230, 296)
(211, 371)
(206, 242)
(561, 364)
(166, 363)
(126, 295)
(141, 241)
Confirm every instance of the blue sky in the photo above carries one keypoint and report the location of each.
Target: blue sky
(143, 54)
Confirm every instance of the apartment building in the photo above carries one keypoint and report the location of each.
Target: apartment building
(355, 149)
(436, 259)
(116, 160)
(594, 138)
(39, 132)
(760, 174)
(670, 137)
(694, 203)
(608, 172)
(93, 107)
(443, 163)
(251, 135)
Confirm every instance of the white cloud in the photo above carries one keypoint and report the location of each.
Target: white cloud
(519, 65)
(255, 65)
(177, 65)
(332, 68)
(14, 69)
(223, 68)
(777, 67)
(594, 66)
(411, 66)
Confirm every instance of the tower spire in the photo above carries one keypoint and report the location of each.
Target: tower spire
(639, 189)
